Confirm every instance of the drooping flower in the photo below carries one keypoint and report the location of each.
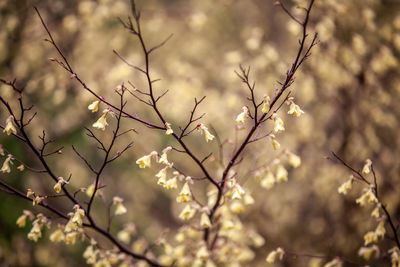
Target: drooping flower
(237, 191)
(268, 181)
(10, 128)
(278, 123)
(265, 107)
(275, 144)
(295, 109)
(380, 230)
(162, 176)
(171, 183)
(202, 253)
(163, 159)
(58, 185)
(145, 161)
(57, 236)
(169, 130)
(120, 208)
(94, 107)
(21, 221)
(90, 190)
(370, 237)
(369, 252)
(101, 123)
(205, 220)
(21, 167)
(204, 130)
(346, 186)
(274, 255)
(6, 165)
(367, 167)
(185, 194)
(187, 213)
(243, 115)
(281, 174)
(375, 212)
(367, 197)
(294, 160)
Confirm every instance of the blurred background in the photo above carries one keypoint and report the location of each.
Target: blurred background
(349, 89)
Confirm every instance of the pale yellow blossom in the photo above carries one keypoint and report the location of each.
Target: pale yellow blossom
(370, 237)
(163, 159)
(57, 236)
(171, 183)
(367, 197)
(265, 107)
(6, 165)
(202, 253)
(185, 194)
(375, 212)
(145, 161)
(94, 107)
(380, 230)
(70, 238)
(90, 190)
(268, 181)
(275, 144)
(101, 123)
(278, 124)
(169, 130)
(295, 110)
(281, 174)
(367, 167)
(243, 115)
(294, 160)
(204, 130)
(205, 220)
(21, 167)
(10, 128)
(346, 186)
(120, 208)
(58, 185)
(187, 213)
(369, 252)
(274, 255)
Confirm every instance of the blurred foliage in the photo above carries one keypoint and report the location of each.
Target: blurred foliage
(349, 90)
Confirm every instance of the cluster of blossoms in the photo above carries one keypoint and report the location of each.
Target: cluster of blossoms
(369, 197)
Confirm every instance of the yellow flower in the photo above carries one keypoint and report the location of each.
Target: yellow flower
(185, 194)
(204, 130)
(145, 161)
(278, 124)
(370, 237)
(395, 256)
(257, 239)
(294, 160)
(171, 183)
(57, 186)
(120, 209)
(275, 144)
(367, 167)
(163, 159)
(90, 190)
(367, 197)
(162, 176)
(21, 221)
(101, 123)
(346, 186)
(380, 230)
(248, 199)
(21, 167)
(6, 165)
(369, 252)
(37, 200)
(375, 212)
(57, 236)
(70, 238)
(10, 128)
(169, 130)
(268, 181)
(36, 232)
(29, 192)
(236, 207)
(205, 220)
(265, 107)
(281, 174)
(78, 215)
(336, 262)
(90, 254)
(243, 115)
(295, 110)
(274, 255)
(202, 253)
(94, 107)
(237, 192)
(187, 213)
